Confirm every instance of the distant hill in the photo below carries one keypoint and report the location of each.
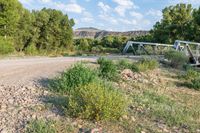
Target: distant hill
(91, 32)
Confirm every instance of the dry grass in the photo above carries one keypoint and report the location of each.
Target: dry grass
(160, 106)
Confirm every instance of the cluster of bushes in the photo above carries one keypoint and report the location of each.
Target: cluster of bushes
(89, 91)
(192, 78)
(177, 59)
(89, 96)
(107, 69)
(140, 66)
(108, 44)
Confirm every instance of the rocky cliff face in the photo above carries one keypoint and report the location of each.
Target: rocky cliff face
(96, 33)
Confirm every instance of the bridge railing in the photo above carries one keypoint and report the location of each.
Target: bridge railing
(191, 49)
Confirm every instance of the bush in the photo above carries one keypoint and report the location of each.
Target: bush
(191, 74)
(123, 64)
(6, 46)
(146, 64)
(96, 101)
(126, 64)
(31, 50)
(48, 126)
(72, 78)
(101, 60)
(195, 84)
(40, 126)
(177, 59)
(192, 79)
(107, 69)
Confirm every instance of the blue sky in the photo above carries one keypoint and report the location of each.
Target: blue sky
(113, 15)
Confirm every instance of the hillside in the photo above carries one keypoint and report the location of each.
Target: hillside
(90, 32)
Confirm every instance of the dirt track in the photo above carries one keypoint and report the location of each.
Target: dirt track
(20, 72)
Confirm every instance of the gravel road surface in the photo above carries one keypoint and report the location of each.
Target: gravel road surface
(22, 96)
(19, 72)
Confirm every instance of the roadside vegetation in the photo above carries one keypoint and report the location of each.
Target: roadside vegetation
(177, 59)
(125, 97)
(110, 95)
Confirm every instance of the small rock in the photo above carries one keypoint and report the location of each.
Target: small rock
(80, 126)
(33, 116)
(125, 117)
(165, 130)
(133, 118)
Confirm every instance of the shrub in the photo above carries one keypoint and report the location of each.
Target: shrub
(40, 126)
(126, 64)
(48, 126)
(134, 67)
(146, 64)
(177, 59)
(31, 50)
(96, 101)
(195, 84)
(123, 64)
(72, 78)
(101, 60)
(107, 69)
(191, 74)
(6, 46)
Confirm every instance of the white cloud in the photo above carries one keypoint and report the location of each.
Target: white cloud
(128, 22)
(108, 18)
(124, 2)
(194, 2)
(87, 17)
(136, 15)
(46, 1)
(71, 6)
(104, 7)
(120, 10)
(123, 6)
(154, 12)
(28, 2)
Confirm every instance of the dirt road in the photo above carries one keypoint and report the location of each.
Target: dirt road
(20, 72)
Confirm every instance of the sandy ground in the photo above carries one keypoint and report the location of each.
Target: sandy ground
(20, 72)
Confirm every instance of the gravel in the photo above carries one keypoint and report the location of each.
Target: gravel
(22, 92)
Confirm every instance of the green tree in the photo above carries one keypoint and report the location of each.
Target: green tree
(196, 25)
(24, 31)
(9, 17)
(107, 41)
(84, 45)
(174, 25)
(54, 30)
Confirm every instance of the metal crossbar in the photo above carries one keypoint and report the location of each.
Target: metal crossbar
(182, 46)
(141, 46)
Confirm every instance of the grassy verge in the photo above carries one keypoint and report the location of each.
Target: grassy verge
(161, 107)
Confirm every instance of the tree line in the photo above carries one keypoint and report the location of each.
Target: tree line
(107, 44)
(49, 30)
(27, 31)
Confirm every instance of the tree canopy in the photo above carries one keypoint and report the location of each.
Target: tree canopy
(46, 29)
(179, 22)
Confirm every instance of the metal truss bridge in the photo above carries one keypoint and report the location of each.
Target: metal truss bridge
(191, 49)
